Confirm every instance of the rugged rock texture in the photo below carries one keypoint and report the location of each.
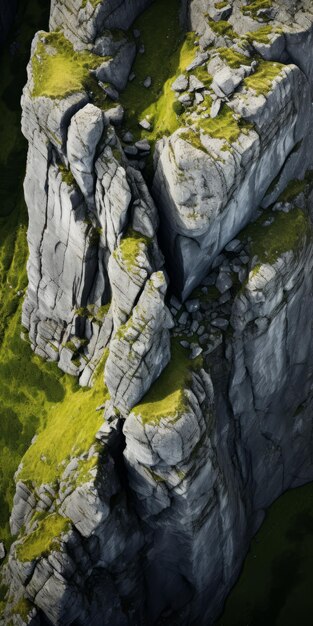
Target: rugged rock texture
(197, 288)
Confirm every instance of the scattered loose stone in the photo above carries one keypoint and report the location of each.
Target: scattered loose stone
(183, 319)
(181, 83)
(147, 82)
(195, 83)
(185, 98)
(110, 91)
(128, 137)
(192, 305)
(2, 551)
(223, 282)
(194, 326)
(145, 124)
(130, 150)
(185, 344)
(199, 97)
(221, 323)
(143, 145)
(233, 245)
(196, 351)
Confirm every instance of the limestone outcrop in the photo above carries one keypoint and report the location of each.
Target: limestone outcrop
(171, 254)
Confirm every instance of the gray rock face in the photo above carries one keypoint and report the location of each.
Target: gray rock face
(84, 134)
(156, 517)
(206, 196)
(83, 21)
(140, 349)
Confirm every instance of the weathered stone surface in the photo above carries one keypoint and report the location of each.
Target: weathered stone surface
(140, 349)
(159, 526)
(84, 134)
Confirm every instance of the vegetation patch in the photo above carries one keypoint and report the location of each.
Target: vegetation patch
(261, 82)
(58, 70)
(166, 397)
(295, 187)
(68, 430)
(286, 233)
(67, 176)
(164, 39)
(234, 59)
(253, 8)
(263, 34)
(222, 28)
(130, 247)
(44, 539)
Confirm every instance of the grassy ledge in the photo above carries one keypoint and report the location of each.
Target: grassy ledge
(286, 233)
(163, 38)
(58, 70)
(262, 80)
(166, 397)
(44, 539)
(68, 431)
(130, 247)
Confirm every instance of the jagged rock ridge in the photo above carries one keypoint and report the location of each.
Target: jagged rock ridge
(208, 417)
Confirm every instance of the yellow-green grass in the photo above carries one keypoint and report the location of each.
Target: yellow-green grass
(68, 431)
(234, 59)
(168, 52)
(253, 8)
(222, 28)
(261, 81)
(166, 397)
(224, 127)
(296, 187)
(57, 69)
(44, 539)
(130, 247)
(263, 34)
(30, 389)
(286, 233)
(94, 3)
(275, 586)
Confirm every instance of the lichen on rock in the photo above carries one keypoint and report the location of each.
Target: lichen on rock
(169, 190)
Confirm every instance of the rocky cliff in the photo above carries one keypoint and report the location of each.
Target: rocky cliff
(170, 193)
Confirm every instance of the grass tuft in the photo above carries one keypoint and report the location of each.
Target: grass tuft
(166, 397)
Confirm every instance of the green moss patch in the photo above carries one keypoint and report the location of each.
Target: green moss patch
(44, 539)
(68, 431)
(166, 397)
(253, 8)
(130, 247)
(295, 187)
(234, 59)
(263, 34)
(168, 52)
(261, 82)
(286, 233)
(67, 176)
(58, 70)
(222, 28)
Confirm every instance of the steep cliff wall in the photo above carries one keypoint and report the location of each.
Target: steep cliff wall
(190, 276)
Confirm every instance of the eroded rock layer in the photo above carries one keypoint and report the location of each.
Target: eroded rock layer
(187, 278)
